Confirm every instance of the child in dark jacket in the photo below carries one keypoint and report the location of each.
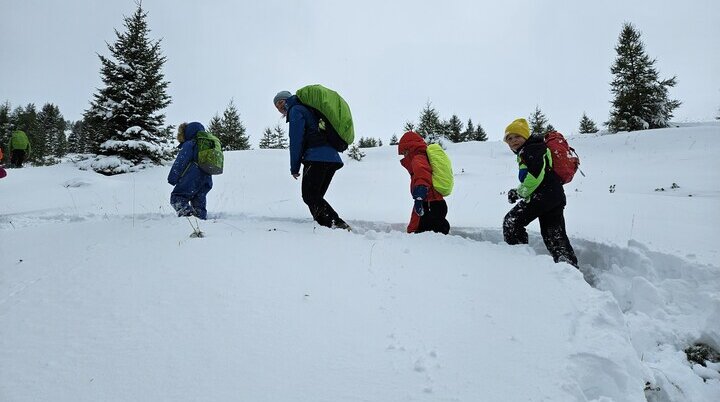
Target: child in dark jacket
(430, 209)
(191, 183)
(540, 192)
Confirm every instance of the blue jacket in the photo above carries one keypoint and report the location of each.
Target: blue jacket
(185, 173)
(303, 123)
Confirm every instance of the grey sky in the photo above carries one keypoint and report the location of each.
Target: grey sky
(487, 61)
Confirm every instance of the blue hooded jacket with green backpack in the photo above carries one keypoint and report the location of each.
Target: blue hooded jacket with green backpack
(185, 174)
(304, 142)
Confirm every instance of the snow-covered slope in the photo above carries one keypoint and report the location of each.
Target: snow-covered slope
(104, 297)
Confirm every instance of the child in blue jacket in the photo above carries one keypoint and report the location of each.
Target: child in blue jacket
(191, 184)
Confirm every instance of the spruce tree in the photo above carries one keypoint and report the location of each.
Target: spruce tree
(587, 126)
(409, 126)
(124, 119)
(549, 128)
(538, 122)
(430, 127)
(469, 133)
(640, 97)
(51, 140)
(280, 139)
(480, 134)
(215, 125)
(455, 129)
(76, 139)
(393, 140)
(5, 124)
(232, 133)
(266, 140)
(354, 152)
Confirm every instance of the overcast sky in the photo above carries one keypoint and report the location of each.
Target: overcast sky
(489, 61)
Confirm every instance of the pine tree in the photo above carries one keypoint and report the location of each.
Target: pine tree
(587, 126)
(232, 133)
(549, 128)
(409, 126)
(5, 124)
(124, 118)
(379, 142)
(469, 133)
(640, 97)
(76, 139)
(51, 140)
(267, 139)
(430, 127)
(368, 142)
(393, 140)
(480, 134)
(215, 125)
(355, 153)
(538, 122)
(455, 129)
(280, 139)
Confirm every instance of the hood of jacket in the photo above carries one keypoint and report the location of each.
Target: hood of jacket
(192, 129)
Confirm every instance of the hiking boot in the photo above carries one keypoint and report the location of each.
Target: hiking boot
(340, 224)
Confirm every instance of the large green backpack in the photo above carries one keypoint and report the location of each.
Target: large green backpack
(334, 108)
(210, 156)
(442, 174)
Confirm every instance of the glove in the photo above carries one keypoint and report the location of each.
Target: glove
(419, 194)
(513, 196)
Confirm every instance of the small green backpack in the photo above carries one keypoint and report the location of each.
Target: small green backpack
(442, 174)
(210, 156)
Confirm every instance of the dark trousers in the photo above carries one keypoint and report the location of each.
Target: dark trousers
(552, 229)
(433, 220)
(315, 182)
(17, 158)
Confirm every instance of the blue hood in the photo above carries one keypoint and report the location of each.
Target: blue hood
(192, 129)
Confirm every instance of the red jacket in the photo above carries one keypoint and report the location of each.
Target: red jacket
(416, 162)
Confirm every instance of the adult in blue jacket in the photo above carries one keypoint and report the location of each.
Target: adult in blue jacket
(309, 147)
(191, 184)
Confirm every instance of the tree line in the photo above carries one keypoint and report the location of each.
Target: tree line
(124, 128)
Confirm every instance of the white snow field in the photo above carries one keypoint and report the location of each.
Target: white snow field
(104, 297)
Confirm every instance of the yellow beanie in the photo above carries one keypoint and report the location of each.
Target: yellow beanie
(519, 127)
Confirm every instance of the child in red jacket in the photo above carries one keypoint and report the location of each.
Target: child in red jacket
(430, 208)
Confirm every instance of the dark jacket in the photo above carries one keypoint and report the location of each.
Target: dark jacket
(538, 182)
(185, 174)
(305, 142)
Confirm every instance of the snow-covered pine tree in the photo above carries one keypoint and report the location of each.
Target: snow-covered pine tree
(50, 141)
(280, 139)
(233, 136)
(455, 129)
(469, 132)
(640, 97)
(587, 126)
(215, 125)
(393, 140)
(76, 139)
(409, 126)
(480, 134)
(355, 153)
(5, 126)
(538, 122)
(368, 142)
(124, 122)
(549, 128)
(430, 128)
(267, 139)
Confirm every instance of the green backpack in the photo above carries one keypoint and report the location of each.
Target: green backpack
(210, 156)
(442, 174)
(335, 110)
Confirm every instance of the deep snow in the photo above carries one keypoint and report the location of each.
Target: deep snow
(104, 297)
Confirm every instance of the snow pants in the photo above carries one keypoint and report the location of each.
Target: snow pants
(433, 219)
(552, 229)
(316, 179)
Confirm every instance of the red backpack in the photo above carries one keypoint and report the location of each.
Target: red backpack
(565, 161)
